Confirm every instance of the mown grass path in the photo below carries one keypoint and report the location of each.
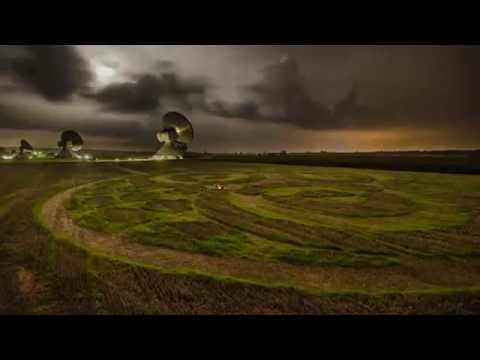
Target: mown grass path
(279, 239)
(409, 276)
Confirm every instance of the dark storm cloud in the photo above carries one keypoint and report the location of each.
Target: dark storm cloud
(147, 93)
(469, 62)
(53, 72)
(347, 111)
(391, 87)
(140, 132)
(319, 88)
(281, 96)
(419, 86)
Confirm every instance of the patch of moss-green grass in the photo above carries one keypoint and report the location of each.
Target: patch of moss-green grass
(304, 256)
(251, 206)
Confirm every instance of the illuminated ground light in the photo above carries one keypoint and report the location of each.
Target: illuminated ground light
(83, 157)
(39, 154)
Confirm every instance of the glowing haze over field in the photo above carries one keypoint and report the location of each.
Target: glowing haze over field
(244, 98)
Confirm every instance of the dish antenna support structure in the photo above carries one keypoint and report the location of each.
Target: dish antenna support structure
(24, 150)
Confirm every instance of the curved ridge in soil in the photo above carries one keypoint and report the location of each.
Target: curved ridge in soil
(322, 279)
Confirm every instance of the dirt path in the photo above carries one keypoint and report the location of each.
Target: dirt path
(405, 277)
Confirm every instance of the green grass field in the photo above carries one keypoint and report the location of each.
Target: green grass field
(395, 240)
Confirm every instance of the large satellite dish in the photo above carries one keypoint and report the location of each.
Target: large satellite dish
(70, 142)
(176, 134)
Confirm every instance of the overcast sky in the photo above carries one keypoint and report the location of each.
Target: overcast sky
(244, 98)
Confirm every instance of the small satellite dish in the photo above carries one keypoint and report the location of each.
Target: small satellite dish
(176, 134)
(24, 150)
(25, 147)
(70, 142)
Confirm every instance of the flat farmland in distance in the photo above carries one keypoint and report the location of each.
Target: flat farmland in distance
(162, 238)
(454, 161)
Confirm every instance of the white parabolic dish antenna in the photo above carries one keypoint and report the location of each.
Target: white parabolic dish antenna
(176, 134)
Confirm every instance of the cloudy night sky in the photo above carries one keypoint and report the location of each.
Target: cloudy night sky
(244, 98)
